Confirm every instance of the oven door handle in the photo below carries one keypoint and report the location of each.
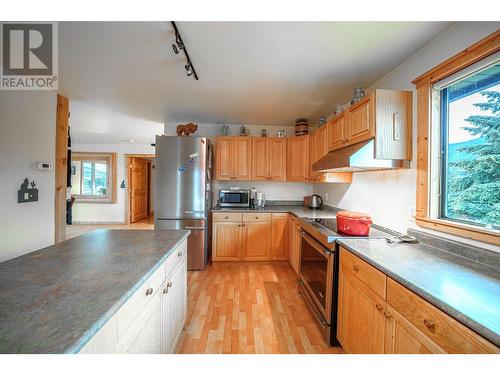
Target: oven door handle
(315, 243)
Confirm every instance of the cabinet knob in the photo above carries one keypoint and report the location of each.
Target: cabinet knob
(387, 315)
(378, 306)
(429, 324)
(169, 284)
(226, 217)
(355, 268)
(179, 254)
(149, 291)
(256, 217)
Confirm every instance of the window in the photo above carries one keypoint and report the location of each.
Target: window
(470, 149)
(92, 177)
(458, 144)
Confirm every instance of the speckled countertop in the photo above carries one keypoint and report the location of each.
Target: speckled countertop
(466, 290)
(54, 300)
(297, 210)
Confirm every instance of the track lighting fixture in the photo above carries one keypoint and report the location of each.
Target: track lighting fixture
(179, 46)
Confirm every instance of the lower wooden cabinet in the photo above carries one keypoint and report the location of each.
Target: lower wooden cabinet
(295, 239)
(151, 320)
(256, 241)
(226, 241)
(394, 320)
(257, 236)
(361, 321)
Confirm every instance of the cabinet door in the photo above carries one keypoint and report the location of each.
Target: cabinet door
(295, 240)
(256, 241)
(145, 334)
(226, 241)
(406, 340)
(320, 149)
(361, 124)
(361, 321)
(242, 155)
(279, 239)
(260, 159)
(313, 176)
(336, 136)
(224, 163)
(174, 306)
(297, 163)
(277, 159)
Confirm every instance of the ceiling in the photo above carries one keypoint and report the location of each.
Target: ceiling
(250, 72)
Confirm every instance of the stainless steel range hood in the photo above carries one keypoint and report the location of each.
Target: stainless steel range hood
(356, 158)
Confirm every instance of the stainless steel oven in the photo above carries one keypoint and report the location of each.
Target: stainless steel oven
(234, 198)
(316, 275)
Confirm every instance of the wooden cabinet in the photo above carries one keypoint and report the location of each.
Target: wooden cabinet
(256, 240)
(152, 319)
(361, 126)
(378, 315)
(295, 239)
(318, 149)
(361, 321)
(226, 241)
(337, 132)
(233, 160)
(174, 306)
(268, 159)
(279, 239)
(297, 161)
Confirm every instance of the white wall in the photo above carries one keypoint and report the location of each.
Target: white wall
(27, 135)
(387, 196)
(108, 212)
(286, 191)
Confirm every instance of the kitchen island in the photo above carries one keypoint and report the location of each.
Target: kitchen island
(56, 299)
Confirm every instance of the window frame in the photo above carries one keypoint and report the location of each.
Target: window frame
(429, 140)
(110, 159)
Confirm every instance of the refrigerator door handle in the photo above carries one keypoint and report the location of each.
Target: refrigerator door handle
(194, 212)
(195, 228)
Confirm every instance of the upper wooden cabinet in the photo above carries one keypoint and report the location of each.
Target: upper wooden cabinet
(297, 161)
(268, 159)
(233, 159)
(385, 115)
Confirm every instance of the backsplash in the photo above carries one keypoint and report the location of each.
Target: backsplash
(282, 191)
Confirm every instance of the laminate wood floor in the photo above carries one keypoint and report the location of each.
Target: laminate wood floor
(249, 308)
(76, 230)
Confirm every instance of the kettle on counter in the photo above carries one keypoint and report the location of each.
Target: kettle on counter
(315, 201)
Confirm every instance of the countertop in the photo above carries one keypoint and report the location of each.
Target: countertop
(466, 290)
(55, 299)
(299, 211)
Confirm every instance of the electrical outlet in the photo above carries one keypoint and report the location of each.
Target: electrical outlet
(326, 197)
(411, 213)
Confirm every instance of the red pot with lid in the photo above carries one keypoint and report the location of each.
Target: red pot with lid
(353, 223)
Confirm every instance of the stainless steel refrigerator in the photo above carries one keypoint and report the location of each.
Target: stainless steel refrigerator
(183, 196)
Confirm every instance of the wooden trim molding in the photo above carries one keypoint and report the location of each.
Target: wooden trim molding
(468, 56)
(427, 120)
(61, 167)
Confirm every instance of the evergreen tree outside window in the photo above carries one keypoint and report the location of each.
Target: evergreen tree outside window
(470, 149)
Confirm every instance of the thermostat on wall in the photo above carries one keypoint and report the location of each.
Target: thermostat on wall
(44, 166)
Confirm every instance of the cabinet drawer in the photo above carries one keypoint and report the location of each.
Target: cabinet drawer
(257, 217)
(369, 275)
(449, 334)
(226, 216)
(175, 257)
(133, 307)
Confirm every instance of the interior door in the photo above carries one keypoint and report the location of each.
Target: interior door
(139, 190)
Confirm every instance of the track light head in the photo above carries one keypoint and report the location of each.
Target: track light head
(189, 69)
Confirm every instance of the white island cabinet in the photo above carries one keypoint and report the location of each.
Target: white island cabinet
(152, 319)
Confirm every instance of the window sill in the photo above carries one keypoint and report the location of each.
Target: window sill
(99, 201)
(463, 230)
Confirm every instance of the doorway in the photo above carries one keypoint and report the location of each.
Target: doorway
(140, 188)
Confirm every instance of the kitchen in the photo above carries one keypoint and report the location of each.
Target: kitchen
(330, 235)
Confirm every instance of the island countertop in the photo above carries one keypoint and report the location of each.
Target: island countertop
(466, 290)
(55, 299)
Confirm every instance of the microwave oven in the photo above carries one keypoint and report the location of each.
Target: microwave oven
(234, 198)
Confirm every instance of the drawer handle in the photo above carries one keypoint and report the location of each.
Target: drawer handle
(179, 254)
(256, 217)
(355, 268)
(429, 324)
(227, 217)
(378, 306)
(149, 291)
(387, 315)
